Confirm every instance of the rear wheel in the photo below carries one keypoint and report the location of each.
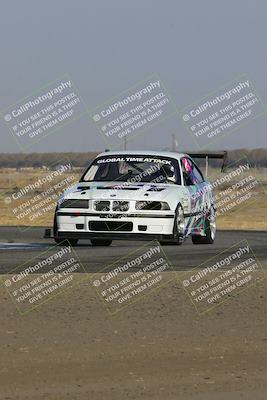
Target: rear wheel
(210, 230)
(101, 242)
(178, 228)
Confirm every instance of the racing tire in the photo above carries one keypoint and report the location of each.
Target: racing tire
(210, 230)
(178, 228)
(101, 242)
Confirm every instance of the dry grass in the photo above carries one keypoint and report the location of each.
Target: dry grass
(251, 216)
(12, 181)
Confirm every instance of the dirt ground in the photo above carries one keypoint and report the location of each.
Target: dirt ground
(158, 348)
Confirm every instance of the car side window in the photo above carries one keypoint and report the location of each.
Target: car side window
(197, 173)
(187, 171)
(191, 173)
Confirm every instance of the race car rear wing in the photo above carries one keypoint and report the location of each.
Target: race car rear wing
(209, 155)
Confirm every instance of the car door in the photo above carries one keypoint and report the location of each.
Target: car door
(194, 183)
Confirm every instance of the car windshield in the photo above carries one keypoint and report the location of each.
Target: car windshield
(133, 169)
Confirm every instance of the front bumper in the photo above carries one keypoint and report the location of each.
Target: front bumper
(143, 226)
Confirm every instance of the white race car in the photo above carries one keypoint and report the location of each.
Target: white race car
(138, 195)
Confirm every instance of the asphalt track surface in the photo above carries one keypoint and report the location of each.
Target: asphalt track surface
(18, 246)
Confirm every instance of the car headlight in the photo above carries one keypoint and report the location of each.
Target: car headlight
(152, 205)
(74, 203)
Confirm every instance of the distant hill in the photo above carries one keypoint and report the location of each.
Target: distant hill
(256, 157)
(36, 160)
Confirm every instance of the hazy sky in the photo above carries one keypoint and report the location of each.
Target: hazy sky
(108, 46)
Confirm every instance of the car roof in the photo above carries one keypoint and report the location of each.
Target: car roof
(170, 154)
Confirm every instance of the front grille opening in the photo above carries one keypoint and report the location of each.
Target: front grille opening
(79, 226)
(142, 228)
(107, 226)
(102, 205)
(74, 203)
(120, 206)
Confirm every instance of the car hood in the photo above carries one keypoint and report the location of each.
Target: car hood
(120, 191)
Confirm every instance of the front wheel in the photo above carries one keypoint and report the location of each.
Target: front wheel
(178, 228)
(210, 230)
